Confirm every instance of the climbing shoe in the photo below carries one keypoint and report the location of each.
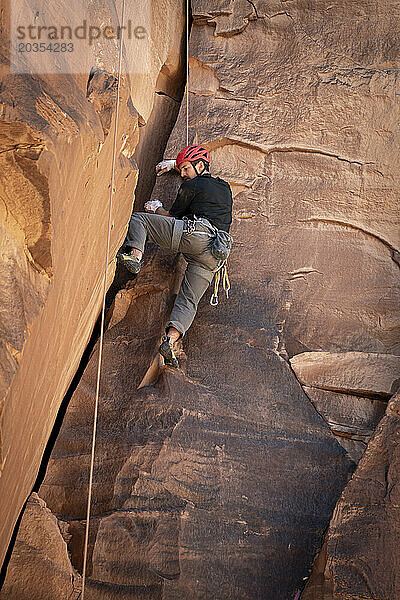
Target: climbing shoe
(132, 263)
(167, 353)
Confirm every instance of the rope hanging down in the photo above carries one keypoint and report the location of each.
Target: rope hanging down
(103, 310)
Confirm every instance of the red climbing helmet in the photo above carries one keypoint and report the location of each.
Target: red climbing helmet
(192, 153)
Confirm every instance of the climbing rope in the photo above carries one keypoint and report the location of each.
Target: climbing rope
(103, 311)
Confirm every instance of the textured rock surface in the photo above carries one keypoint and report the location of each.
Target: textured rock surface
(351, 418)
(55, 169)
(219, 481)
(216, 483)
(297, 105)
(361, 557)
(349, 390)
(360, 373)
(40, 566)
(295, 122)
(299, 110)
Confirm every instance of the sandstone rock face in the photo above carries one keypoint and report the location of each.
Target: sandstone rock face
(298, 110)
(40, 566)
(284, 99)
(361, 373)
(219, 480)
(352, 419)
(55, 169)
(364, 381)
(361, 558)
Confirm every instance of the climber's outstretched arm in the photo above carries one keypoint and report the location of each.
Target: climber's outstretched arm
(164, 166)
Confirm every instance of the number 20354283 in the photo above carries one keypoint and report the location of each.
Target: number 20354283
(45, 47)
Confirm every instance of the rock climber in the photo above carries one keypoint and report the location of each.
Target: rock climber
(201, 212)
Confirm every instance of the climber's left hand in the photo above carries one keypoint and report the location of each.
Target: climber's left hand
(152, 205)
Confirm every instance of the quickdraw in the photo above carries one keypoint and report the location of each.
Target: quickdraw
(222, 273)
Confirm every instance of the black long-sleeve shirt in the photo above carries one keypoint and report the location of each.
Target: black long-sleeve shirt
(205, 196)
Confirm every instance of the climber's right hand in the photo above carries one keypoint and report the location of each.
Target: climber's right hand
(164, 166)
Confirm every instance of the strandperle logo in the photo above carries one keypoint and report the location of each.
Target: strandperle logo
(78, 37)
(81, 32)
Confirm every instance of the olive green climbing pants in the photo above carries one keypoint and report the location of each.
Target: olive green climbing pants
(172, 234)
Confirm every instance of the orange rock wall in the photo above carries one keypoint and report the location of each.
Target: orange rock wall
(220, 480)
(55, 169)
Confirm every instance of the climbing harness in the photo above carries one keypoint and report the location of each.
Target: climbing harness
(222, 273)
(220, 246)
(103, 311)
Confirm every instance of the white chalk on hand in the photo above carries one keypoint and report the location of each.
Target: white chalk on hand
(152, 205)
(164, 166)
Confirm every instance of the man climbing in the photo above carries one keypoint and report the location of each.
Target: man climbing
(203, 206)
